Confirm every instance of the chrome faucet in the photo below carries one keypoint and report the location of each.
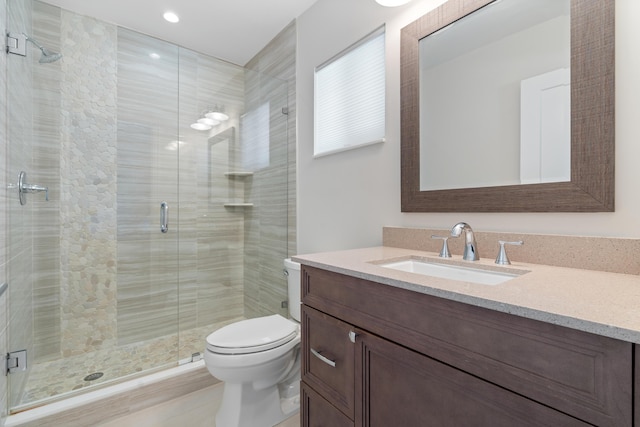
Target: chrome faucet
(470, 245)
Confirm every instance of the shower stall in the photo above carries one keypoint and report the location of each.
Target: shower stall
(136, 225)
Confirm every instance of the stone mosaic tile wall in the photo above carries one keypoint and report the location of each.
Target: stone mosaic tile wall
(88, 184)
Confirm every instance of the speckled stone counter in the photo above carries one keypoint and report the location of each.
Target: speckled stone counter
(602, 303)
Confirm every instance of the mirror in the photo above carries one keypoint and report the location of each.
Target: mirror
(494, 90)
(511, 165)
(221, 147)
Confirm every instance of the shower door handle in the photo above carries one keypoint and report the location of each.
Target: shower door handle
(164, 217)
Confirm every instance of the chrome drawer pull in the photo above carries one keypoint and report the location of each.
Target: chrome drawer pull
(352, 336)
(329, 362)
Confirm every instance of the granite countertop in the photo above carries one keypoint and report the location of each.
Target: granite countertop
(602, 303)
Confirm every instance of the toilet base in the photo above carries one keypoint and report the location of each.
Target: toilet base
(260, 408)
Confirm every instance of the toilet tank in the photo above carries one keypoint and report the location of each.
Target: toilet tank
(293, 284)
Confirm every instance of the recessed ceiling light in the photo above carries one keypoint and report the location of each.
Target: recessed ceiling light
(154, 55)
(392, 3)
(171, 17)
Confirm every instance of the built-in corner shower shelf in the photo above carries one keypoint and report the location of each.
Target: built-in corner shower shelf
(238, 205)
(239, 174)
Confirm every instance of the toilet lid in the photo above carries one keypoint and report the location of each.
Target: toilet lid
(252, 335)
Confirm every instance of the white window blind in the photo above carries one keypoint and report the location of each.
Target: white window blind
(350, 97)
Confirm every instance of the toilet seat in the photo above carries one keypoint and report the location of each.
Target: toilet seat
(252, 335)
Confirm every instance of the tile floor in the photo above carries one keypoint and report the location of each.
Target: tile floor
(196, 409)
(62, 376)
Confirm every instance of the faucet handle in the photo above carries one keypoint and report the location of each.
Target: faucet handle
(444, 252)
(502, 257)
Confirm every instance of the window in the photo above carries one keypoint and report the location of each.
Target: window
(350, 97)
(255, 138)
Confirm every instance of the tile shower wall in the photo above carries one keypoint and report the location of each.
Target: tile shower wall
(273, 188)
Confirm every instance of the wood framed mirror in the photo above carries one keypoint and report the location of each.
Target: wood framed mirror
(592, 141)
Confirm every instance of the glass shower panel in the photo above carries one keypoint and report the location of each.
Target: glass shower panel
(94, 280)
(211, 236)
(20, 218)
(264, 151)
(233, 197)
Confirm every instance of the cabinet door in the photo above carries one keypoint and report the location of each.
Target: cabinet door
(636, 395)
(317, 412)
(328, 358)
(400, 387)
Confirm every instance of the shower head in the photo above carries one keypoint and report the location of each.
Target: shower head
(47, 56)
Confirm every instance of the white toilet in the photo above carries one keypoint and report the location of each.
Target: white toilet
(259, 362)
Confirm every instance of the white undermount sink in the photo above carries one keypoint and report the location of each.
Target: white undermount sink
(449, 271)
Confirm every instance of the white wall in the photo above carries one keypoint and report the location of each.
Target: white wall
(346, 199)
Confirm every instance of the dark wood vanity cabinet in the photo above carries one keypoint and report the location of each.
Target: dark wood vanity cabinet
(636, 388)
(407, 359)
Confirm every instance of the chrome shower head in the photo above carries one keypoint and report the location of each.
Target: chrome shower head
(47, 56)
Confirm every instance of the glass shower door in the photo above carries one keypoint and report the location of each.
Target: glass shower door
(147, 297)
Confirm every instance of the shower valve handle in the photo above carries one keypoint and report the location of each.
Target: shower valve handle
(24, 188)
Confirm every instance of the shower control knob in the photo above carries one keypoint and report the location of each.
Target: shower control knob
(24, 188)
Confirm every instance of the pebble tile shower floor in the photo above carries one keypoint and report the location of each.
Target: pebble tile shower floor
(61, 376)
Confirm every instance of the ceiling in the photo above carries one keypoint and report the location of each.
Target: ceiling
(233, 30)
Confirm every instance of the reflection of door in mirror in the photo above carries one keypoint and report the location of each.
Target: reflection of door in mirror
(545, 128)
(472, 114)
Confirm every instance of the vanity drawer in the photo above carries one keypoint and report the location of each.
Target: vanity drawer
(328, 358)
(317, 412)
(584, 375)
